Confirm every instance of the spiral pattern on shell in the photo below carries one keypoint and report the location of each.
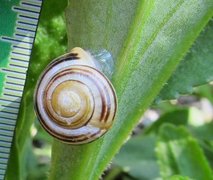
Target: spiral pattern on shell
(74, 101)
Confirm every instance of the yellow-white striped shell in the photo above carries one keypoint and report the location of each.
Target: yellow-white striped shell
(74, 101)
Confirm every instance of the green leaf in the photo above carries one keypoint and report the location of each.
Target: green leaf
(178, 177)
(179, 153)
(205, 91)
(175, 117)
(137, 158)
(204, 134)
(190, 117)
(50, 42)
(100, 24)
(196, 68)
(147, 39)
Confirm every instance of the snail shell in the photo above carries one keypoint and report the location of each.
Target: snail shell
(74, 101)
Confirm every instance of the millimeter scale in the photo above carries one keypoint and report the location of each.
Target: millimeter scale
(18, 24)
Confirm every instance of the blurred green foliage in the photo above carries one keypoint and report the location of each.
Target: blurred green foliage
(179, 142)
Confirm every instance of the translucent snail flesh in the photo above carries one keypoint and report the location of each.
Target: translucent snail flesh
(74, 101)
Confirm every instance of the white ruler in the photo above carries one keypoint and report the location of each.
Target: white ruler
(15, 72)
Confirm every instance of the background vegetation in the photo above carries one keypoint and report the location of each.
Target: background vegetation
(162, 49)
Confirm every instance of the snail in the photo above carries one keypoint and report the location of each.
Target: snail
(73, 100)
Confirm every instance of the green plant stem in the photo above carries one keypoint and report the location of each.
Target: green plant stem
(158, 38)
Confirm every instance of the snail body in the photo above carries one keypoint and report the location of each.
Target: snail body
(74, 101)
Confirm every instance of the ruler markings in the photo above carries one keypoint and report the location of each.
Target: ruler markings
(21, 46)
(26, 16)
(8, 118)
(12, 99)
(27, 32)
(7, 128)
(19, 62)
(15, 41)
(17, 82)
(18, 66)
(13, 70)
(12, 92)
(8, 122)
(5, 144)
(3, 158)
(24, 37)
(5, 101)
(9, 108)
(30, 4)
(32, 7)
(4, 150)
(25, 26)
(26, 11)
(1, 154)
(20, 22)
(15, 77)
(17, 69)
(21, 54)
(6, 133)
(6, 141)
(3, 166)
(33, 1)
(13, 89)
(19, 58)
(12, 95)
(20, 36)
(2, 161)
(8, 115)
(27, 20)
(18, 50)
(27, 8)
(6, 110)
(1, 172)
